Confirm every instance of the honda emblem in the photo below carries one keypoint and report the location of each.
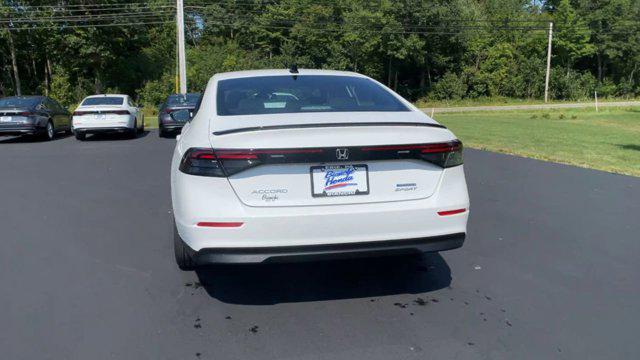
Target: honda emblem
(342, 154)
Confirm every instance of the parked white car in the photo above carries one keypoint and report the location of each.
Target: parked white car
(108, 113)
(286, 165)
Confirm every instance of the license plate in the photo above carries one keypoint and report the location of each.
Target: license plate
(101, 117)
(5, 119)
(339, 180)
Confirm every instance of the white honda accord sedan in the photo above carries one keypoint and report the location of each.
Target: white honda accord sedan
(108, 113)
(286, 165)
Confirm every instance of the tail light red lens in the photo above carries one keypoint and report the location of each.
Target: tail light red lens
(227, 162)
(235, 161)
(201, 162)
(447, 154)
(26, 113)
(217, 163)
(451, 212)
(220, 224)
(118, 112)
(112, 112)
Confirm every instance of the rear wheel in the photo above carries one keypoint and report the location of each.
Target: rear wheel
(50, 132)
(81, 136)
(184, 254)
(161, 132)
(133, 133)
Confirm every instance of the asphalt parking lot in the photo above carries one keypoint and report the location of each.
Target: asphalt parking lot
(550, 269)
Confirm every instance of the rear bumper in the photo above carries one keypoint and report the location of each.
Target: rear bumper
(20, 130)
(200, 199)
(209, 256)
(103, 130)
(171, 126)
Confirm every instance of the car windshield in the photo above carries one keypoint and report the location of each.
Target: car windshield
(103, 100)
(16, 102)
(183, 100)
(305, 93)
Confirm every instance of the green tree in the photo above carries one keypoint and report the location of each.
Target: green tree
(572, 35)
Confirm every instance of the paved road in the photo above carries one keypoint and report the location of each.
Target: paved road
(530, 107)
(550, 271)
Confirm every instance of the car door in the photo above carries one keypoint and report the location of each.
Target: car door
(135, 110)
(54, 114)
(63, 115)
(44, 109)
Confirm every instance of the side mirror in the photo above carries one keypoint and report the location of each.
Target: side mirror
(183, 115)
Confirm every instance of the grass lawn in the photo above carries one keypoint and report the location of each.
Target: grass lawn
(498, 101)
(608, 140)
(150, 117)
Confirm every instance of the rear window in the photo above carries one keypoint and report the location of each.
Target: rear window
(15, 102)
(305, 93)
(105, 100)
(183, 100)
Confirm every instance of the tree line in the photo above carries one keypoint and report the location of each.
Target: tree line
(431, 49)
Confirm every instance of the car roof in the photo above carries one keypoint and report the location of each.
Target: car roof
(25, 97)
(193, 93)
(282, 72)
(106, 95)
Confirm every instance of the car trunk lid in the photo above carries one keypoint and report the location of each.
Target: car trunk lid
(317, 162)
(10, 116)
(100, 116)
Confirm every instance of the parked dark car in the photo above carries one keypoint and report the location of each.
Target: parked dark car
(33, 115)
(170, 124)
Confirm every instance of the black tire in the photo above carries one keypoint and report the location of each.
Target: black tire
(49, 132)
(133, 133)
(81, 136)
(141, 128)
(184, 254)
(161, 132)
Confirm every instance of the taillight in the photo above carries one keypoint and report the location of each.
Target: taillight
(219, 163)
(447, 154)
(118, 112)
(26, 113)
(227, 162)
(201, 162)
(235, 161)
(112, 112)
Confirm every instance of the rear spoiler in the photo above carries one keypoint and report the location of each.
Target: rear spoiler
(324, 125)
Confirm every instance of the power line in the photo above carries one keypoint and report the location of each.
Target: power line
(93, 25)
(88, 11)
(89, 6)
(236, 5)
(440, 26)
(88, 18)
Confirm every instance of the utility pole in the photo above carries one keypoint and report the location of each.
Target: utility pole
(546, 82)
(182, 60)
(177, 72)
(14, 64)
